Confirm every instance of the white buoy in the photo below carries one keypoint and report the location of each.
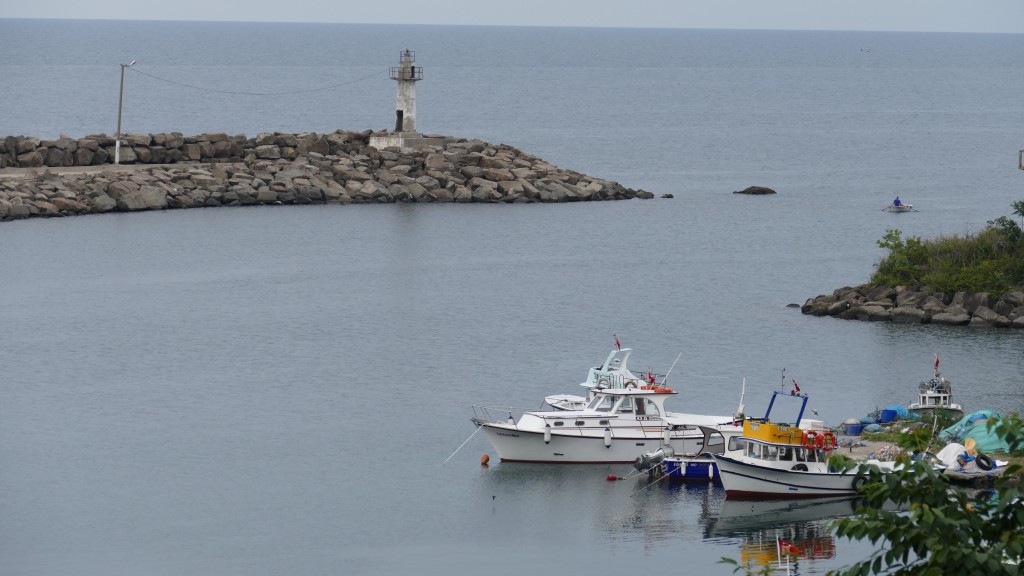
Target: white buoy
(667, 436)
(547, 433)
(607, 437)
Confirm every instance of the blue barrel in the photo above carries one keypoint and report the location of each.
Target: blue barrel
(852, 429)
(885, 416)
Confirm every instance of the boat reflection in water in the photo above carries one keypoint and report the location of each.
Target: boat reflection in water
(780, 534)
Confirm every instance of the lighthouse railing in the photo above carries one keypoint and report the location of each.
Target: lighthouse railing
(404, 73)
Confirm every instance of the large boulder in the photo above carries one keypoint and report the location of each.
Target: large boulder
(952, 319)
(755, 190)
(975, 300)
(814, 307)
(879, 293)
(873, 313)
(146, 198)
(985, 316)
(907, 315)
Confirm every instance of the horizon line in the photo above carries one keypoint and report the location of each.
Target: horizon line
(468, 25)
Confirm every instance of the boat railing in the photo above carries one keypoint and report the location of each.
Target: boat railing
(938, 385)
(498, 413)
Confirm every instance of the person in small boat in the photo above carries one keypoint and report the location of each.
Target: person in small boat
(897, 202)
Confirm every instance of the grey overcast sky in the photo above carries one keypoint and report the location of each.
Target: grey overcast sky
(888, 15)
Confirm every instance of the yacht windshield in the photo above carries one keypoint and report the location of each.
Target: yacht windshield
(602, 403)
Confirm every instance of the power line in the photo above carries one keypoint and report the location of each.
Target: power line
(137, 71)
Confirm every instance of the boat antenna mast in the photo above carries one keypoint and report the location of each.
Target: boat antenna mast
(665, 377)
(739, 416)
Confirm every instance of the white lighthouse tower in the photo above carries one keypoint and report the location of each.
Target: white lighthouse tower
(407, 74)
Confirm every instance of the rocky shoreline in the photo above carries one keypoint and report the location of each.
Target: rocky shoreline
(902, 304)
(52, 178)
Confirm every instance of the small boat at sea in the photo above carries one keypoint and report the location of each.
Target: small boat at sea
(701, 466)
(935, 394)
(900, 208)
(778, 459)
(617, 426)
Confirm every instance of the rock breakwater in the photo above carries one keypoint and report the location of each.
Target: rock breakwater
(902, 304)
(68, 176)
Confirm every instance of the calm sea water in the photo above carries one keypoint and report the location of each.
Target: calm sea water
(275, 390)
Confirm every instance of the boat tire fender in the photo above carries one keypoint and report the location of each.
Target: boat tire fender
(801, 467)
(984, 462)
(859, 482)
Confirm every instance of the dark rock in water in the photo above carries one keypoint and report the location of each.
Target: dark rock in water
(667, 196)
(792, 305)
(755, 190)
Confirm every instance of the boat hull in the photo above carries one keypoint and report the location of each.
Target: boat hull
(929, 410)
(745, 480)
(520, 445)
(700, 469)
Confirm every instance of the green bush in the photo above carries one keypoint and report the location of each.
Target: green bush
(922, 525)
(991, 261)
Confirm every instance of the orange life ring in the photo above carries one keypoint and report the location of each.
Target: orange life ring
(829, 440)
(810, 439)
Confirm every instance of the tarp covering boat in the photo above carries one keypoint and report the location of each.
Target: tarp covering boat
(975, 426)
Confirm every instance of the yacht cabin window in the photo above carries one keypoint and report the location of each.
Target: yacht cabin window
(752, 450)
(602, 403)
(736, 443)
(772, 453)
(646, 406)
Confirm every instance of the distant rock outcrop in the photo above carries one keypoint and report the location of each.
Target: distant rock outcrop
(755, 190)
(161, 171)
(901, 304)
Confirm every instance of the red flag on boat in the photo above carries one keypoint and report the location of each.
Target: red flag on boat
(787, 548)
(936, 361)
(796, 386)
(650, 377)
(617, 345)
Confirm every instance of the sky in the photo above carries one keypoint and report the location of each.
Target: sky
(881, 15)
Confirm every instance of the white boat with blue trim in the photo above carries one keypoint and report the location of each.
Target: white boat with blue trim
(777, 459)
